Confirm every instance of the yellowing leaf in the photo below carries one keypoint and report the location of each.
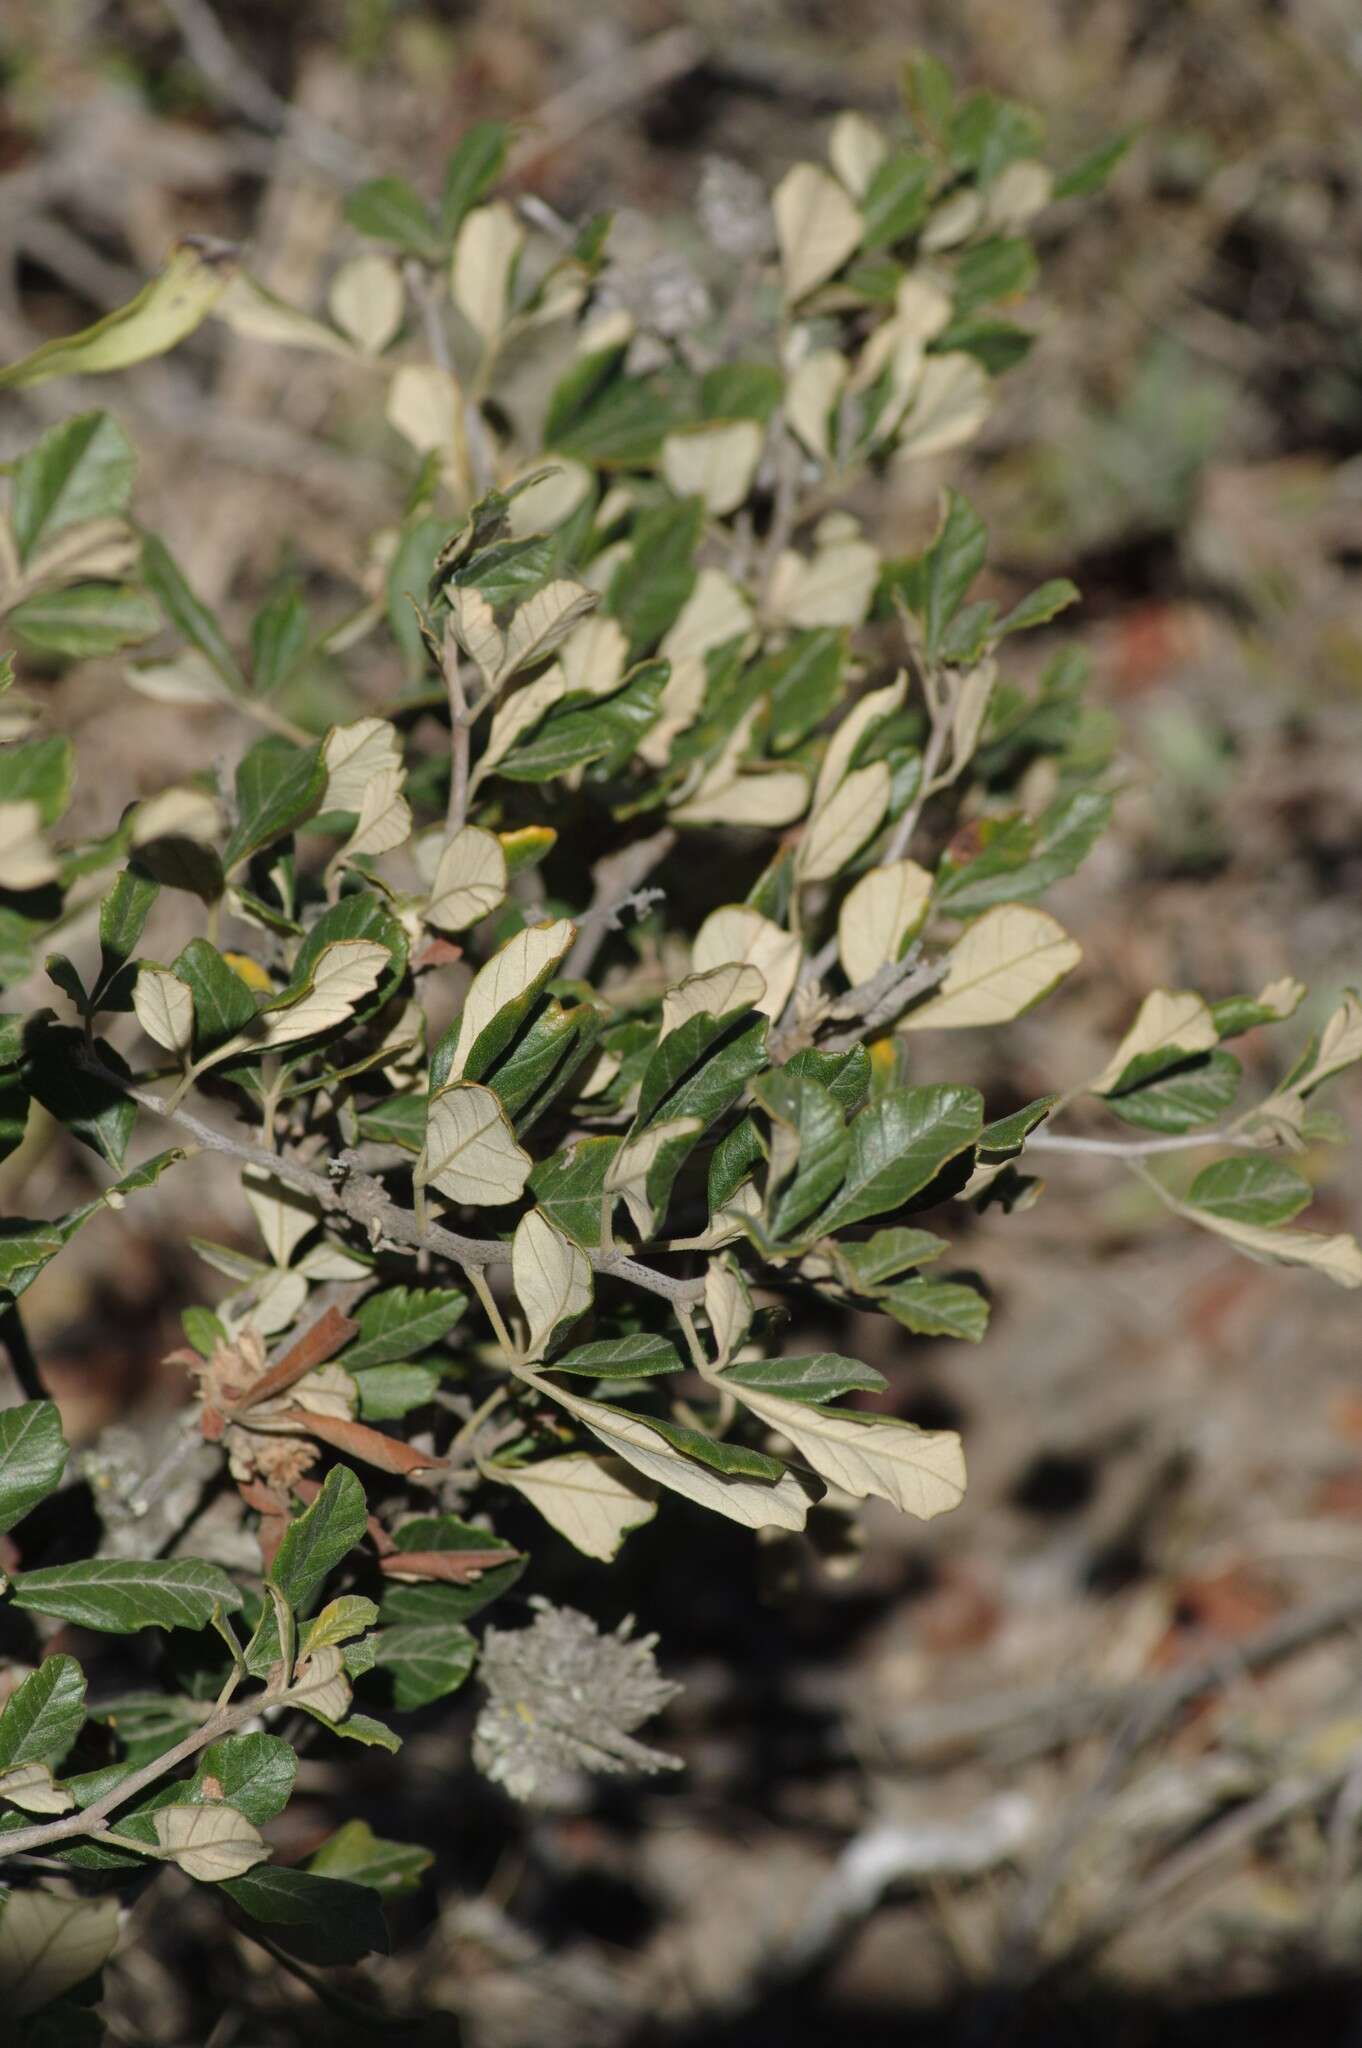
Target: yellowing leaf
(512, 969)
(856, 149)
(551, 1276)
(26, 860)
(164, 1006)
(591, 1501)
(354, 755)
(344, 974)
(817, 228)
(728, 1306)
(190, 678)
(209, 1842)
(540, 506)
(883, 909)
(162, 314)
(626, 1177)
(1006, 961)
(470, 1153)
(542, 622)
(756, 1503)
(178, 814)
(32, 1787)
(921, 1471)
(594, 655)
(737, 933)
(716, 611)
(425, 406)
(952, 401)
(250, 308)
(840, 827)
(485, 255)
(735, 986)
(476, 630)
(384, 817)
(1168, 1019)
(284, 1214)
(320, 1683)
(870, 711)
(834, 589)
(48, 1945)
(715, 462)
(469, 882)
(367, 299)
(812, 391)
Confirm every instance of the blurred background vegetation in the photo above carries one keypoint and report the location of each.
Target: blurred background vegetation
(900, 1819)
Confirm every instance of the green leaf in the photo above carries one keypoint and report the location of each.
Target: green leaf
(44, 1713)
(316, 1541)
(544, 1058)
(400, 1120)
(190, 617)
(741, 391)
(1021, 859)
(845, 1075)
(717, 1452)
(92, 1109)
(937, 1308)
(279, 638)
(253, 1773)
(278, 785)
(86, 620)
(362, 915)
(619, 425)
(401, 1323)
(223, 1004)
(1004, 1138)
(14, 1101)
(819, 1377)
(357, 1853)
(319, 1919)
(732, 1162)
(1044, 603)
(808, 1113)
(1091, 172)
(387, 1392)
(649, 588)
(604, 732)
(953, 561)
(895, 201)
(470, 170)
(887, 1253)
(898, 1145)
(1251, 1191)
(427, 1660)
(1000, 267)
(929, 92)
(804, 680)
(390, 211)
(81, 469)
(118, 1595)
(25, 1248)
(635, 1357)
(701, 1068)
(1183, 1097)
(122, 920)
(989, 133)
(33, 1456)
(569, 1187)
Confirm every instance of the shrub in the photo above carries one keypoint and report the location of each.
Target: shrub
(558, 1018)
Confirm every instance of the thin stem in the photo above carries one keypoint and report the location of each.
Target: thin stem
(358, 1195)
(902, 837)
(1129, 1148)
(90, 1820)
(457, 810)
